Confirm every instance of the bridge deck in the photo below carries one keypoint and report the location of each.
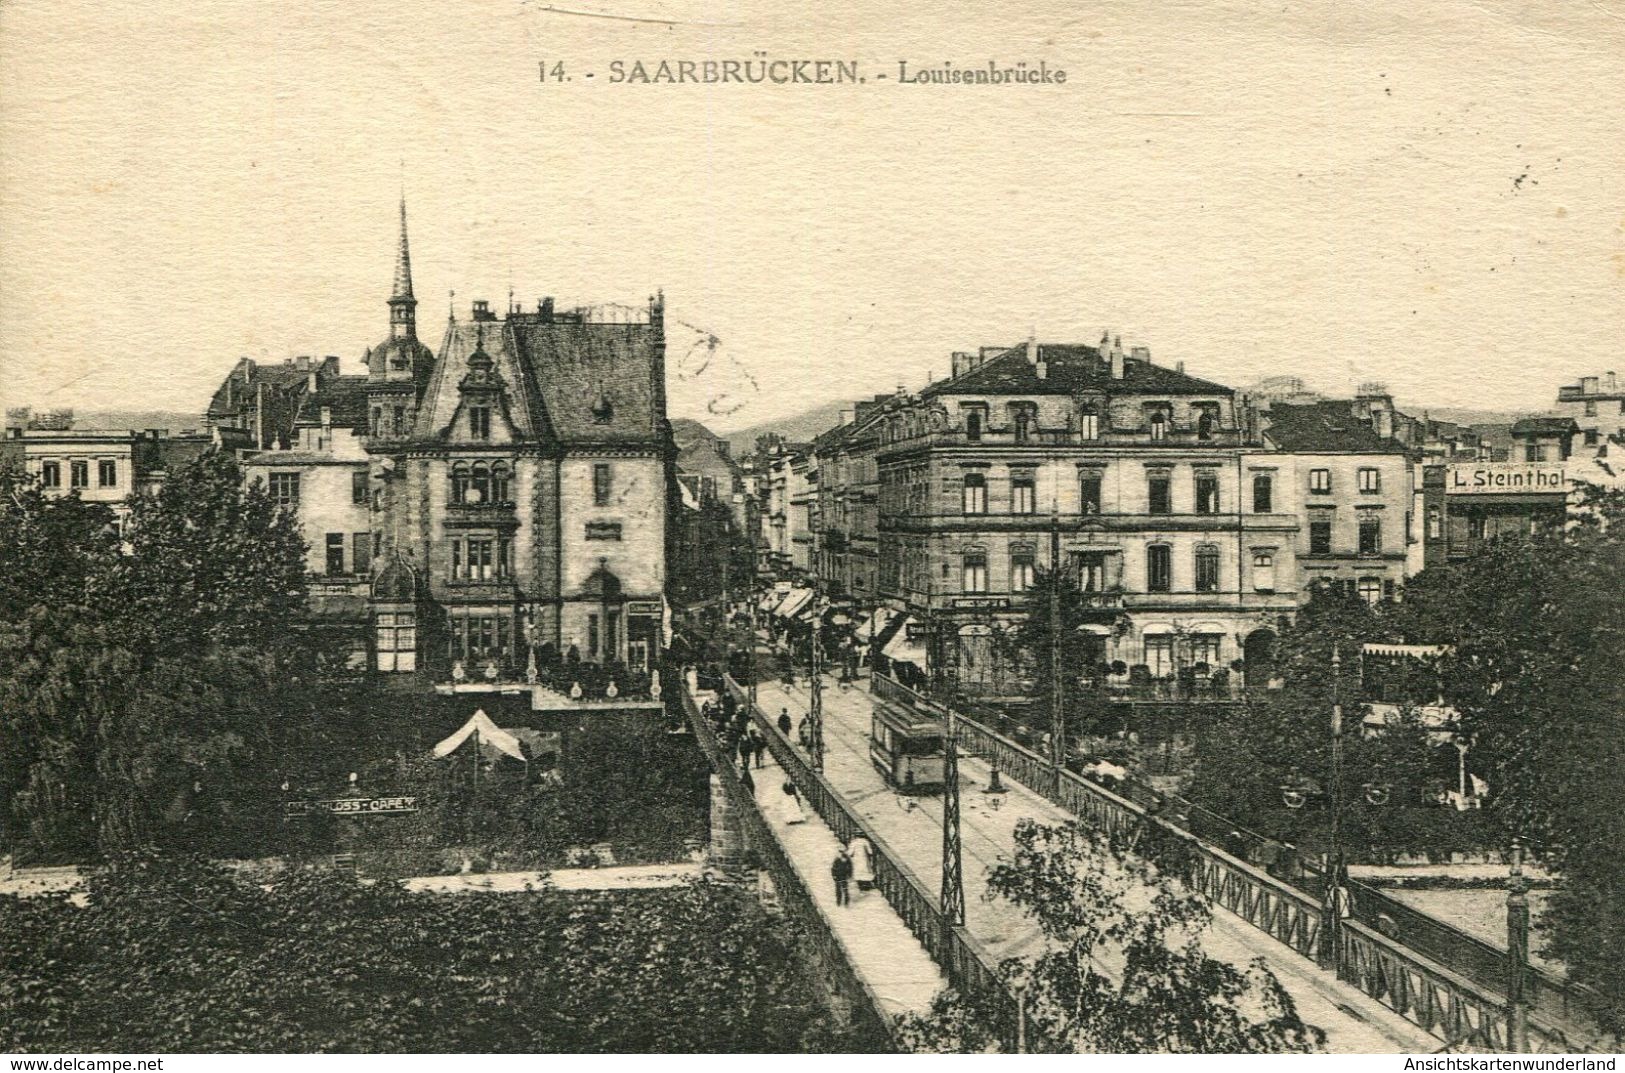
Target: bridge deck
(878, 945)
(1353, 1022)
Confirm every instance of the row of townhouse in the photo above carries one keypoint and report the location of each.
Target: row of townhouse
(1197, 518)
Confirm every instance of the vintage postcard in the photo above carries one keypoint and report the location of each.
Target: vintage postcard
(628, 526)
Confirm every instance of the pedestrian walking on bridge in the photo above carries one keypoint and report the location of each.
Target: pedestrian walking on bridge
(784, 721)
(841, 871)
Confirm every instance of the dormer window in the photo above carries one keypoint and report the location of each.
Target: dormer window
(1159, 426)
(603, 411)
(479, 422)
(1088, 423)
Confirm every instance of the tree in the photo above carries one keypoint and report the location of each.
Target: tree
(140, 687)
(1124, 970)
(1081, 651)
(172, 954)
(1537, 629)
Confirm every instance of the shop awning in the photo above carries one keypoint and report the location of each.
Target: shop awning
(902, 650)
(1096, 629)
(794, 602)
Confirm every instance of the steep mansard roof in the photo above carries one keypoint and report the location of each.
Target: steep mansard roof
(1068, 369)
(1329, 427)
(580, 382)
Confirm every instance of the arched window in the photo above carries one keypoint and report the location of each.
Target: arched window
(1435, 523)
(1088, 423)
(1159, 568)
(501, 483)
(1159, 426)
(479, 485)
(1205, 425)
(459, 482)
(1262, 493)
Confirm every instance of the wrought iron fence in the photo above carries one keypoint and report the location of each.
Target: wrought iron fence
(1411, 979)
(869, 1015)
(968, 965)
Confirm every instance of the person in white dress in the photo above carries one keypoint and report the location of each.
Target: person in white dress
(863, 862)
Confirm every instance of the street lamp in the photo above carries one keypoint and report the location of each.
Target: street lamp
(1517, 953)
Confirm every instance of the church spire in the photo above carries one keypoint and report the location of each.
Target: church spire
(402, 306)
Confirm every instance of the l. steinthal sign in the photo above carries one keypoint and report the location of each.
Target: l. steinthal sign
(1503, 478)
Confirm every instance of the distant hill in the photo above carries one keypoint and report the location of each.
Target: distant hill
(173, 420)
(797, 428)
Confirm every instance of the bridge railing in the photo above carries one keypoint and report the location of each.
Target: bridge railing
(1416, 985)
(969, 966)
(871, 1019)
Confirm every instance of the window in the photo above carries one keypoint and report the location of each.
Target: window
(1320, 482)
(1022, 494)
(603, 530)
(1320, 537)
(501, 484)
(1091, 493)
(79, 474)
(1207, 568)
(974, 575)
(1591, 408)
(1388, 588)
(479, 483)
(107, 473)
(1263, 571)
(975, 494)
(592, 636)
(479, 636)
(360, 488)
(400, 421)
(1435, 523)
(1021, 571)
(1159, 426)
(377, 421)
(1089, 424)
(1591, 437)
(600, 484)
(1263, 493)
(460, 482)
(285, 488)
(1207, 493)
(973, 424)
(1477, 527)
(1159, 655)
(361, 552)
(1370, 480)
(50, 474)
(395, 635)
(1531, 453)
(1370, 536)
(1158, 489)
(1370, 589)
(1159, 568)
(335, 553)
(479, 422)
(1089, 567)
(1024, 421)
(1205, 649)
(480, 558)
(1206, 422)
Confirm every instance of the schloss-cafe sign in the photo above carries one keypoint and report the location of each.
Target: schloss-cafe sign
(354, 806)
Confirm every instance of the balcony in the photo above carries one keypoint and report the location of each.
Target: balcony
(488, 514)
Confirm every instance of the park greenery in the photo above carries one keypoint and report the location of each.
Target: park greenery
(173, 955)
(1123, 972)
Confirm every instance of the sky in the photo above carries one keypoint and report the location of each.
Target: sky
(1431, 196)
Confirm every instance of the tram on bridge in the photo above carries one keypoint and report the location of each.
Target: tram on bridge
(906, 747)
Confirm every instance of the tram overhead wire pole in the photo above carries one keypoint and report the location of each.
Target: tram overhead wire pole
(1057, 737)
(953, 876)
(815, 686)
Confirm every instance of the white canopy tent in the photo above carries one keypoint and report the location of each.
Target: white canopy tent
(485, 733)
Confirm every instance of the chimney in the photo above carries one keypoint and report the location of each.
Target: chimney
(987, 352)
(1032, 349)
(302, 362)
(847, 416)
(1179, 366)
(1143, 353)
(310, 381)
(1042, 369)
(1383, 420)
(961, 363)
(1113, 352)
(1609, 382)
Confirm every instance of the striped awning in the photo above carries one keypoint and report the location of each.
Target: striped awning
(795, 601)
(902, 650)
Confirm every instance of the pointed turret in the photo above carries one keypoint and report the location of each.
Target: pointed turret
(402, 306)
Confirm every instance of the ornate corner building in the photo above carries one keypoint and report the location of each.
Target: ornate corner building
(478, 509)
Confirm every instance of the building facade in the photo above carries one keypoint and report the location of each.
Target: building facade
(1140, 481)
(1596, 404)
(490, 504)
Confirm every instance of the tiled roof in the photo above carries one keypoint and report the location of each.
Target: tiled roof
(582, 366)
(443, 396)
(1325, 428)
(345, 396)
(1548, 425)
(1070, 368)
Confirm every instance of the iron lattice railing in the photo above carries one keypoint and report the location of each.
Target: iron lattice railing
(1425, 992)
